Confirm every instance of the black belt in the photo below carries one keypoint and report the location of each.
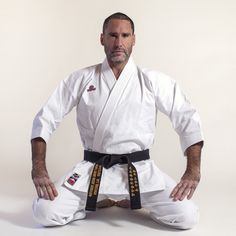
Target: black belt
(108, 160)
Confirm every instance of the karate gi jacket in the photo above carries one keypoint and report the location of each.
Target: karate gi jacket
(118, 117)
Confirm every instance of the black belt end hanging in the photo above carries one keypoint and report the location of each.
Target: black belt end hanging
(107, 160)
(134, 192)
(94, 188)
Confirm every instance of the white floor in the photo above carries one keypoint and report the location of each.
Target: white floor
(217, 209)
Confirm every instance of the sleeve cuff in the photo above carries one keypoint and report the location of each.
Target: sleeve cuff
(42, 134)
(187, 141)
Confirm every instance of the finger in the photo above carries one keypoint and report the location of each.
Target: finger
(45, 193)
(38, 191)
(54, 190)
(175, 190)
(185, 193)
(191, 193)
(50, 192)
(179, 193)
(37, 187)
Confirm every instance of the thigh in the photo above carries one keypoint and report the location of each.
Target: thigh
(66, 197)
(163, 209)
(67, 206)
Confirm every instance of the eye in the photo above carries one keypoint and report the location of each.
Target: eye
(125, 35)
(113, 35)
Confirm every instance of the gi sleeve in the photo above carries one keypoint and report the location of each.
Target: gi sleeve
(51, 114)
(185, 120)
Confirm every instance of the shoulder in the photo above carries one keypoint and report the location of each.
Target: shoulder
(156, 78)
(82, 76)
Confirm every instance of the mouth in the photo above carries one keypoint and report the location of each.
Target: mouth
(118, 52)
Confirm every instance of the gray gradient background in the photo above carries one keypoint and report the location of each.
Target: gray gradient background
(42, 41)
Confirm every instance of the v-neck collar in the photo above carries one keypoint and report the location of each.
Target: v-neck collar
(109, 77)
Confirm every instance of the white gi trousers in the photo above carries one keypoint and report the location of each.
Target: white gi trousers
(69, 206)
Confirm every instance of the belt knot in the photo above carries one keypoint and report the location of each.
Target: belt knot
(101, 160)
(113, 159)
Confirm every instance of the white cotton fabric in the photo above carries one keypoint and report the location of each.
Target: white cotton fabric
(69, 206)
(117, 117)
(115, 179)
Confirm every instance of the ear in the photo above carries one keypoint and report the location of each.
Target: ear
(134, 40)
(102, 39)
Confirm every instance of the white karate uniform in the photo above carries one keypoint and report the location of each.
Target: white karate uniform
(117, 117)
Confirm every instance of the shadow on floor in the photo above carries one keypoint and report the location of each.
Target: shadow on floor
(22, 218)
(118, 217)
(113, 217)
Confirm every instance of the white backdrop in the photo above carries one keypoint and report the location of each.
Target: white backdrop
(41, 42)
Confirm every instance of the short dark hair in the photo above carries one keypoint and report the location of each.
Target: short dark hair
(119, 16)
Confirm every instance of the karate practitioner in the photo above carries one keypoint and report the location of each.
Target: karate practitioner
(117, 104)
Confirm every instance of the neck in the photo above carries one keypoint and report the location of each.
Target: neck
(117, 68)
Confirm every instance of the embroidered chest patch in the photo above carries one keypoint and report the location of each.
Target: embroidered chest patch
(73, 178)
(91, 88)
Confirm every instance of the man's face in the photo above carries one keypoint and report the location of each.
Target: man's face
(118, 41)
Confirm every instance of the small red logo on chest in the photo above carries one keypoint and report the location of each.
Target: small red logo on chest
(91, 88)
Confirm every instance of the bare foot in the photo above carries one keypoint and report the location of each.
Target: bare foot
(105, 203)
(124, 203)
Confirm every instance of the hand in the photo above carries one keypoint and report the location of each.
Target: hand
(44, 186)
(186, 186)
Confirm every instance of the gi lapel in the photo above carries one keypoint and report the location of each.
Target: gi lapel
(113, 99)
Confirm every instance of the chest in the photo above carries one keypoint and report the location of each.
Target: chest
(136, 100)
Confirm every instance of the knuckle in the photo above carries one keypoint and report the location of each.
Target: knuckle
(49, 190)
(41, 184)
(180, 183)
(189, 185)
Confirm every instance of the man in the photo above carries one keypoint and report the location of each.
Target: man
(117, 103)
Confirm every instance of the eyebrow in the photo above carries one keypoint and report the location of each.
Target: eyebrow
(115, 33)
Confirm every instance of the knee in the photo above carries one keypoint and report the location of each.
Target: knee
(188, 219)
(185, 219)
(45, 213)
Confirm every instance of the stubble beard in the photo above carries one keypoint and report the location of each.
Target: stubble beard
(119, 59)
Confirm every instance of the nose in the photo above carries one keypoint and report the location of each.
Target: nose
(118, 41)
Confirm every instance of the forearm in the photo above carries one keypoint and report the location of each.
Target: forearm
(194, 158)
(38, 146)
(44, 186)
(191, 177)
